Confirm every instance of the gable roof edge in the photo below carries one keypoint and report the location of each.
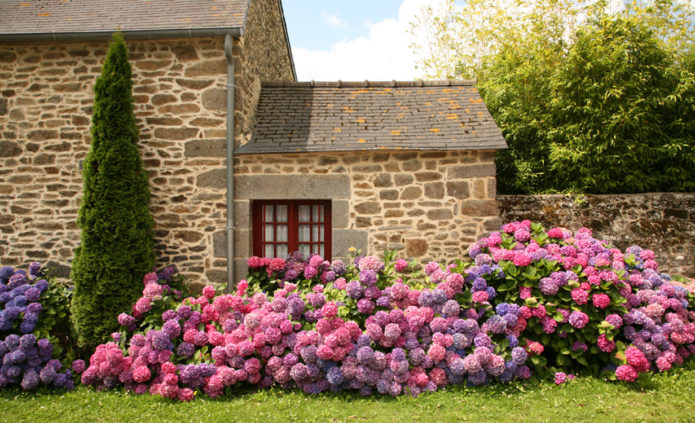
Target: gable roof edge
(139, 35)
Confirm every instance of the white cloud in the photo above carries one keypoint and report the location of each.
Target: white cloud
(333, 20)
(384, 54)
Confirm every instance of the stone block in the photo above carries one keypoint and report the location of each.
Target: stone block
(216, 275)
(215, 99)
(207, 68)
(160, 99)
(188, 236)
(292, 187)
(175, 133)
(411, 193)
(242, 214)
(194, 84)
(185, 53)
(3, 106)
(343, 239)
(471, 171)
(415, 247)
(440, 214)
(434, 190)
(389, 194)
(403, 179)
(368, 207)
(206, 148)
(383, 180)
(427, 176)
(242, 243)
(479, 208)
(340, 214)
(10, 149)
(216, 178)
(42, 134)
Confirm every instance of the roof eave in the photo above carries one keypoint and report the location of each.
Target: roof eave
(139, 35)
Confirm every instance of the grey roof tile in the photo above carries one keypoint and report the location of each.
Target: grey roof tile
(367, 115)
(90, 16)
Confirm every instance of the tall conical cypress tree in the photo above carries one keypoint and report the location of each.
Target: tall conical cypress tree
(117, 246)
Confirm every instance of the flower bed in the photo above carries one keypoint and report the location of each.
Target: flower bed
(531, 302)
(34, 328)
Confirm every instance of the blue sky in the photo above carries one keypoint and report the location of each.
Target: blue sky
(315, 24)
(353, 40)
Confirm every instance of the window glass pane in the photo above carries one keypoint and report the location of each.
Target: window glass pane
(269, 233)
(281, 233)
(315, 214)
(269, 213)
(304, 212)
(282, 250)
(269, 250)
(304, 233)
(305, 249)
(321, 208)
(281, 213)
(321, 233)
(321, 250)
(315, 230)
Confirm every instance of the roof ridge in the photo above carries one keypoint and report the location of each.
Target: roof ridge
(369, 84)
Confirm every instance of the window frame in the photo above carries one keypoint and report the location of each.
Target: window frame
(258, 224)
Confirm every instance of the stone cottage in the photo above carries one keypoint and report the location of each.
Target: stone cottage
(318, 167)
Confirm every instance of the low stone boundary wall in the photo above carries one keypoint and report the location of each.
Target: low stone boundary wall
(663, 222)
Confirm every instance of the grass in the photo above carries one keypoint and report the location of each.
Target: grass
(654, 398)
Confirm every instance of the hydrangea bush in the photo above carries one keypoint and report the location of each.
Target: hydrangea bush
(34, 328)
(530, 302)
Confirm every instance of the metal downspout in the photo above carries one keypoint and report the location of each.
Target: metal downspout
(230, 162)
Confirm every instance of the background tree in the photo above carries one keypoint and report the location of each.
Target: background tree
(565, 111)
(116, 242)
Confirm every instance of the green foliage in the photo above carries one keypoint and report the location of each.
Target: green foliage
(589, 98)
(55, 321)
(116, 247)
(620, 121)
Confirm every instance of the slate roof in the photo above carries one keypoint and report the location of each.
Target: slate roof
(344, 116)
(96, 16)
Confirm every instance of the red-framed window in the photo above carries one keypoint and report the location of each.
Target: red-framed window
(283, 226)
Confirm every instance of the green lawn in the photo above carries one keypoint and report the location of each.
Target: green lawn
(664, 397)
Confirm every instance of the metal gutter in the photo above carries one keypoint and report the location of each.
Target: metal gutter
(230, 161)
(148, 34)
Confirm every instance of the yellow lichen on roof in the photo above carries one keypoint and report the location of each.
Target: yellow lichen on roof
(361, 140)
(452, 116)
(476, 100)
(434, 130)
(45, 14)
(348, 109)
(360, 92)
(24, 4)
(337, 130)
(360, 120)
(395, 132)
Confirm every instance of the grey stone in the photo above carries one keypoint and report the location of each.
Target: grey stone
(428, 176)
(383, 180)
(458, 189)
(343, 239)
(9, 149)
(216, 275)
(389, 194)
(479, 208)
(3, 106)
(207, 68)
(216, 178)
(194, 84)
(411, 193)
(340, 214)
(206, 148)
(403, 179)
(440, 214)
(434, 190)
(184, 53)
(471, 171)
(175, 133)
(282, 187)
(242, 214)
(42, 134)
(215, 99)
(368, 207)
(242, 243)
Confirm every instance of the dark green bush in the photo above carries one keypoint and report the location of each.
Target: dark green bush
(116, 248)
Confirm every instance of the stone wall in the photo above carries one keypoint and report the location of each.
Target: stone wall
(663, 222)
(179, 88)
(426, 205)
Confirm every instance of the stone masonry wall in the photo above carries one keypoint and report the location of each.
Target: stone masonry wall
(663, 222)
(266, 57)
(426, 205)
(46, 95)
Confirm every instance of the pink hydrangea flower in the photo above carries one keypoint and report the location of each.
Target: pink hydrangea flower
(601, 300)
